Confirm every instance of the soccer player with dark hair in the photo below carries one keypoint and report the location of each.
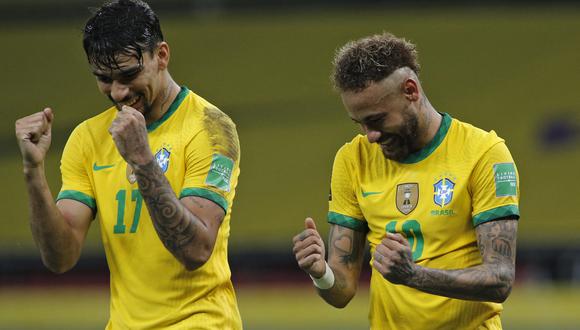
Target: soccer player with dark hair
(159, 167)
(436, 198)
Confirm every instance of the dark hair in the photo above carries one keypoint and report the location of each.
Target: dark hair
(371, 59)
(121, 27)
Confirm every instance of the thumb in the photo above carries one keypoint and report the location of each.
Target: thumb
(309, 224)
(49, 115)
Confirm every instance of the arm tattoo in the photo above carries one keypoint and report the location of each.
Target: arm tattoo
(490, 281)
(175, 225)
(345, 256)
(346, 244)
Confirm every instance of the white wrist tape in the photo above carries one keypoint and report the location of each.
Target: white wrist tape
(326, 281)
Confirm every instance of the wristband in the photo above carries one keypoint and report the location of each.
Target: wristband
(326, 281)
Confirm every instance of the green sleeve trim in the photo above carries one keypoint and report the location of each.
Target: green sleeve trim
(79, 197)
(348, 222)
(207, 194)
(496, 213)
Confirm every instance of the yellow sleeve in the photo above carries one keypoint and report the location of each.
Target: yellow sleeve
(76, 184)
(212, 160)
(494, 186)
(343, 207)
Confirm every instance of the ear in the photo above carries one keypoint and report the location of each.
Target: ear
(411, 89)
(163, 55)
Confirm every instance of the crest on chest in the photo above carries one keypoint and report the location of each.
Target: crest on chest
(407, 197)
(162, 159)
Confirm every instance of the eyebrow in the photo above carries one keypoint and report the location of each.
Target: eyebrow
(122, 73)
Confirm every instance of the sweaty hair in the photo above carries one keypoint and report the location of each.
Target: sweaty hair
(371, 59)
(121, 27)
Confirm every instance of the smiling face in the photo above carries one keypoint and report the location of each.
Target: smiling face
(388, 113)
(135, 83)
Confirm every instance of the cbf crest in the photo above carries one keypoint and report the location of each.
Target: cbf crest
(407, 197)
(443, 192)
(162, 158)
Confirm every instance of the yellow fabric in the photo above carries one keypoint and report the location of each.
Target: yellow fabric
(150, 289)
(364, 197)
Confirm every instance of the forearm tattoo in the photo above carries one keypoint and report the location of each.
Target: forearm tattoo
(347, 245)
(490, 281)
(175, 225)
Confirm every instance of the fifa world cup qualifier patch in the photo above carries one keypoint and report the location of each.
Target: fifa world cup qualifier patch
(505, 179)
(220, 172)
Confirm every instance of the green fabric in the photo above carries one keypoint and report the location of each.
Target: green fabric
(207, 194)
(348, 222)
(79, 197)
(496, 213)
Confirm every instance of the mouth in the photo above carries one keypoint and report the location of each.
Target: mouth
(132, 102)
(390, 141)
(135, 102)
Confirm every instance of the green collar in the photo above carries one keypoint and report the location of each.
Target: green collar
(431, 146)
(172, 108)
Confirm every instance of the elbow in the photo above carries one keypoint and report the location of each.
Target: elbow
(196, 260)
(504, 285)
(340, 304)
(58, 267)
(338, 300)
(502, 293)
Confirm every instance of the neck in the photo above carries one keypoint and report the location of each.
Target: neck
(164, 100)
(431, 122)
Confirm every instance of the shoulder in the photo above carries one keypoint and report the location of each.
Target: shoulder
(216, 125)
(358, 150)
(474, 140)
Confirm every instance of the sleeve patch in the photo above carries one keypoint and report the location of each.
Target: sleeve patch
(505, 179)
(220, 172)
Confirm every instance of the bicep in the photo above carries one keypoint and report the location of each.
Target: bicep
(78, 217)
(346, 250)
(208, 212)
(496, 241)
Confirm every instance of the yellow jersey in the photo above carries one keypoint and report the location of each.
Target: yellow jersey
(435, 197)
(196, 145)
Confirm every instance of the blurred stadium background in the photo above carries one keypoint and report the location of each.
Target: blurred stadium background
(507, 66)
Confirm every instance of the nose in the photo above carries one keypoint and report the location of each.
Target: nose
(373, 136)
(119, 91)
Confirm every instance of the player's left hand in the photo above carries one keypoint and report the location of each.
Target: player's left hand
(129, 131)
(394, 260)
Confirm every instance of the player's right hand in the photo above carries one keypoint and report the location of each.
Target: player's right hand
(33, 134)
(309, 250)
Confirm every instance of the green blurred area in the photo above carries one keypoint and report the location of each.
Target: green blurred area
(503, 69)
(273, 307)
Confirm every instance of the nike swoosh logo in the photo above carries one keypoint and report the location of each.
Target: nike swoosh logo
(369, 193)
(102, 167)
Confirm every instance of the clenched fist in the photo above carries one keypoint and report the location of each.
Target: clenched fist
(309, 250)
(393, 259)
(129, 131)
(33, 134)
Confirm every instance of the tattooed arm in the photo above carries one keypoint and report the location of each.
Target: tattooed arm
(490, 281)
(345, 258)
(188, 227)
